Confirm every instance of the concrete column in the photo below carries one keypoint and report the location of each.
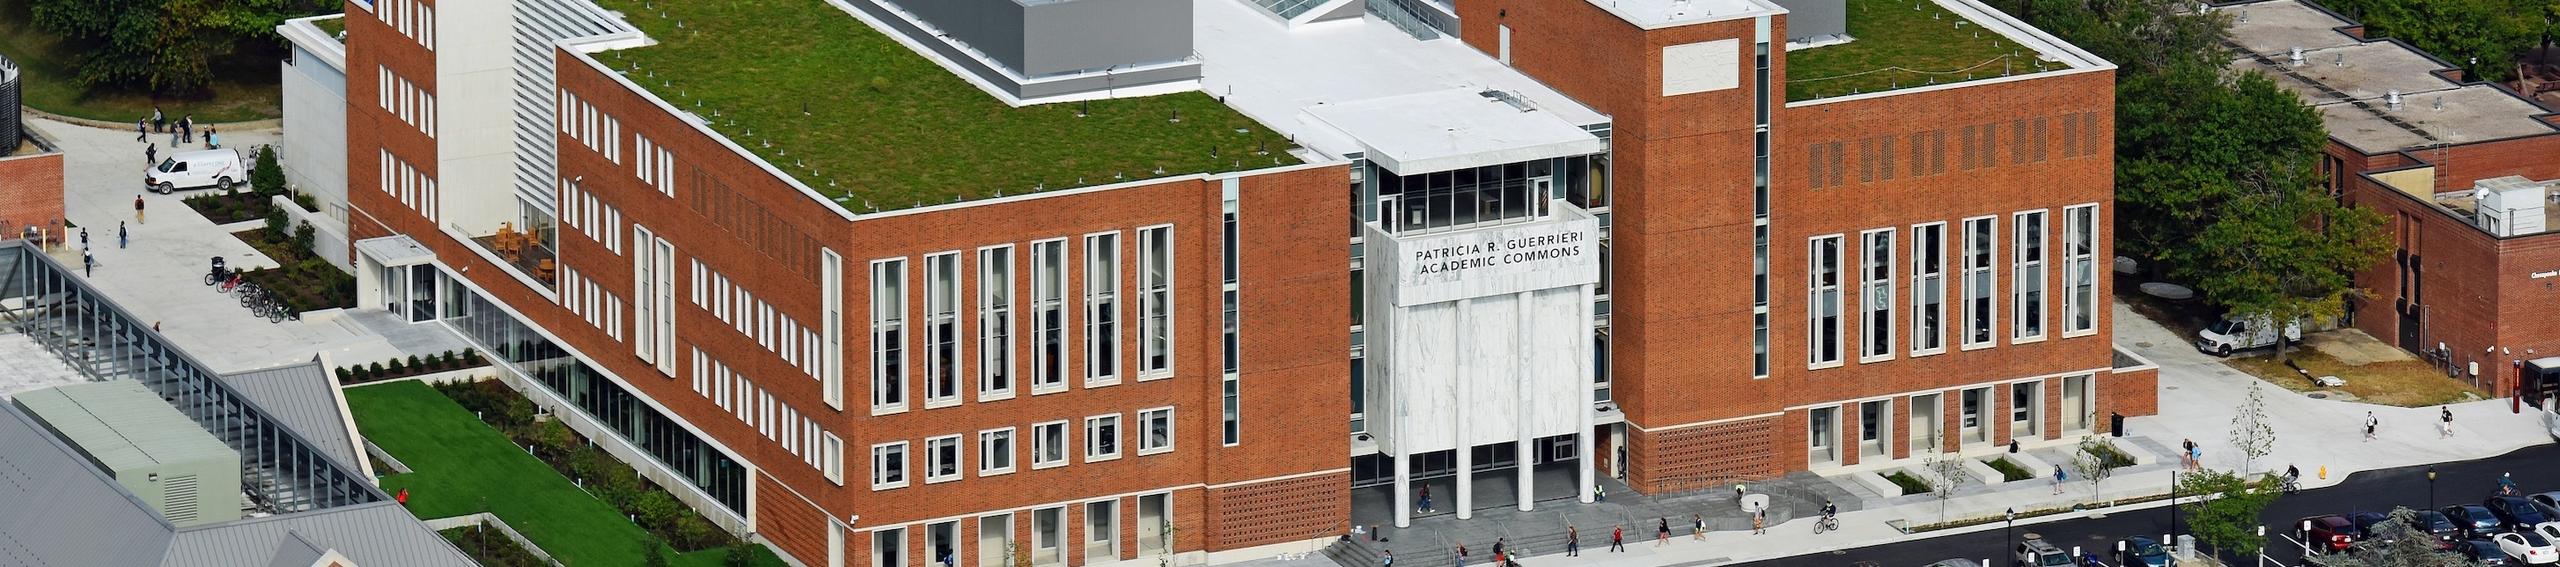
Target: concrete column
(1582, 435)
(1404, 490)
(1522, 452)
(1465, 497)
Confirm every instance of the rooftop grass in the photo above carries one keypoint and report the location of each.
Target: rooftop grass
(332, 26)
(1899, 44)
(856, 115)
(464, 467)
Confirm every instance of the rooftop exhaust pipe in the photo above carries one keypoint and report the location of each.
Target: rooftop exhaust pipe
(2391, 100)
(2297, 57)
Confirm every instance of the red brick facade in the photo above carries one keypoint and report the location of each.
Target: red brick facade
(2447, 282)
(31, 194)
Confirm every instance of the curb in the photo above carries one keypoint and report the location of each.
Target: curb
(275, 123)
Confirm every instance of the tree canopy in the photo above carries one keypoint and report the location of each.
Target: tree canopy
(2497, 32)
(165, 46)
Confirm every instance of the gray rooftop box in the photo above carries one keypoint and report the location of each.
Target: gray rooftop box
(158, 454)
(1039, 49)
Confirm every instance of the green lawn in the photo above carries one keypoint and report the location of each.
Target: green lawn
(843, 106)
(462, 465)
(246, 87)
(1895, 46)
(331, 26)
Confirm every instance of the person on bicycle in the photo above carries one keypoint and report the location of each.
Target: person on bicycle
(2507, 484)
(1830, 513)
(2292, 478)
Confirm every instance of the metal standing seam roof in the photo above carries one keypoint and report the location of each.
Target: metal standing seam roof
(304, 398)
(58, 511)
(123, 425)
(375, 534)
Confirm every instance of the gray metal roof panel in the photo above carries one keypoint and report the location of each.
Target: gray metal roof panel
(56, 510)
(303, 397)
(123, 425)
(296, 552)
(378, 534)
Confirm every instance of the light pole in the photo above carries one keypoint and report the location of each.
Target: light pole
(2431, 487)
(2009, 542)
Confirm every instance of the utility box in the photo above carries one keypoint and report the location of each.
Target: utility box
(158, 454)
(2510, 206)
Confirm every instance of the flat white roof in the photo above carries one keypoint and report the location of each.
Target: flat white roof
(1452, 129)
(1290, 78)
(1658, 14)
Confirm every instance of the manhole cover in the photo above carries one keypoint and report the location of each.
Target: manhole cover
(2143, 345)
(2319, 395)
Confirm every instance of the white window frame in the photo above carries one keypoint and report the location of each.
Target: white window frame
(1039, 441)
(1103, 317)
(879, 466)
(1095, 435)
(1876, 294)
(2030, 300)
(831, 369)
(889, 392)
(943, 349)
(644, 307)
(2080, 268)
(989, 453)
(1049, 354)
(934, 449)
(1982, 278)
(833, 456)
(1816, 294)
(1156, 303)
(996, 316)
(1928, 288)
(1146, 421)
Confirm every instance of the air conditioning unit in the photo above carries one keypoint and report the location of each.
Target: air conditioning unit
(2510, 206)
(154, 452)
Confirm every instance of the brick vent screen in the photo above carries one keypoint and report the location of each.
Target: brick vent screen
(1281, 511)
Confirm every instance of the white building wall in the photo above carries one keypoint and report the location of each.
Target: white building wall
(314, 148)
(473, 146)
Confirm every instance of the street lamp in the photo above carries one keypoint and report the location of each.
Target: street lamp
(2431, 487)
(2009, 541)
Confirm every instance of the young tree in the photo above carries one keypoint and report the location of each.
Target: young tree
(2225, 516)
(650, 554)
(1947, 470)
(2250, 433)
(2096, 460)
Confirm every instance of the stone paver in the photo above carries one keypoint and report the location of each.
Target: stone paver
(26, 366)
(159, 276)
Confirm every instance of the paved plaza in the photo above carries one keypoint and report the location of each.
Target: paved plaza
(26, 366)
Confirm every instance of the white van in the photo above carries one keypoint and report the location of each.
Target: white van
(2227, 335)
(219, 169)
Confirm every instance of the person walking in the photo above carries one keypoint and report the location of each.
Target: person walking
(1618, 538)
(2059, 477)
(158, 121)
(88, 263)
(1387, 558)
(187, 128)
(1759, 520)
(1462, 555)
(1697, 527)
(141, 130)
(137, 209)
(2446, 430)
(1661, 532)
(150, 155)
(84, 238)
(1423, 502)
(2188, 447)
(212, 138)
(1499, 544)
(2370, 424)
(1572, 541)
(1599, 492)
(122, 237)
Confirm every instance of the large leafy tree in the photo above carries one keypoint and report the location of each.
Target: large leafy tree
(165, 46)
(2496, 32)
(2224, 517)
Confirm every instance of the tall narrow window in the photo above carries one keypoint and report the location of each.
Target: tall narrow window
(2080, 269)
(1875, 273)
(942, 328)
(1049, 315)
(1229, 429)
(644, 303)
(995, 322)
(1928, 288)
(832, 454)
(1155, 302)
(2026, 286)
(1822, 302)
(1980, 247)
(831, 283)
(1101, 309)
(888, 335)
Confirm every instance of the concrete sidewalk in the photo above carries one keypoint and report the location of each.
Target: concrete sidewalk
(2198, 397)
(159, 276)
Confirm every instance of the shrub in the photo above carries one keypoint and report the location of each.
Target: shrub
(414, 363)
(741, 554)
(376, 369)
(2009, 470)
(471, 357)
(345, 376)
(2114, 457)
(398, 369)
(303, 234)
(555, 437)
(276, 224)
(265, 175)
(1909, 484)
(657, 510)
(694, 533)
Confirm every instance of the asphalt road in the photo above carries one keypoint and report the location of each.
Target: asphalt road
(2456, 482)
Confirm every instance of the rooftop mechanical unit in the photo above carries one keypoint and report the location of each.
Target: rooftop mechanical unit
(2510, 206)
(158, 454)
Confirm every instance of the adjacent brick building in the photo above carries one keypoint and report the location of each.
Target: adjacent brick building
(1548, 257)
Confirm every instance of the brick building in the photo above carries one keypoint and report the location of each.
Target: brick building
(30, 170)
(712, 252)
(2462, 171)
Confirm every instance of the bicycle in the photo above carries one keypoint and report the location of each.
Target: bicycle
(231, 282)
(1827, 524)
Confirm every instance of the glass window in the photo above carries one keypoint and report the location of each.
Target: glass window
(1875, 272)
(1049, 445)
(942, 459)
(942, 328)
(888, 334)
(995, 452)
(942, 541)
(995, 322)
(1049, 536)
(888, 465)
(1928, 288)
(1155, 434)
(2026, 292)
(1978, 253)
(1822, 305)
(1155, 302)
(889, 548)
(1102, 531)
(1101, 438)
(2080, 269)
(1049, 322)
(1101, 309)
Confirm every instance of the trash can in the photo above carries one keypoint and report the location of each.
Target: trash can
(2115, 424)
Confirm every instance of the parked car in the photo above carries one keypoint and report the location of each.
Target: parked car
(2435, 523)
(2034, 551)
(2227, 335)
(202, 168)
(2529, 546)
(2331, 533)
(2483, 552)
(2549, 502)
(2475, 520)
(1955, 563)
(2518, 513)
(2548, 530)
(2142, 552)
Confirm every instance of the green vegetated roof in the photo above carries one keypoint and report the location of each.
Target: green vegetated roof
(1902, 44)
(331, 25)
(856, 115)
